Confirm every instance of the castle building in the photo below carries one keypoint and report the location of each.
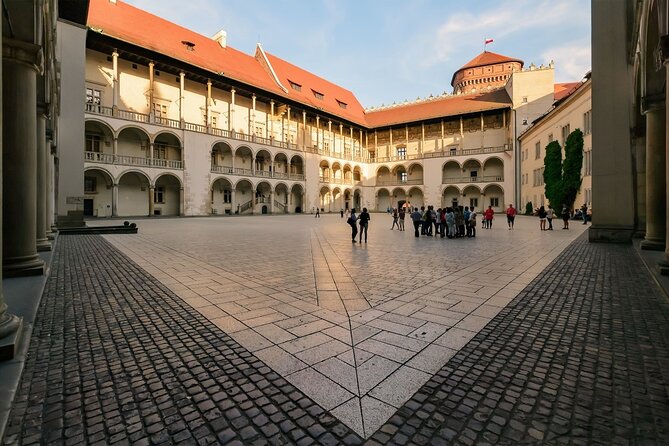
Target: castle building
(177, 123)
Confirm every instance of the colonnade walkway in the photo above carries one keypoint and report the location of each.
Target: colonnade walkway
(515, 337)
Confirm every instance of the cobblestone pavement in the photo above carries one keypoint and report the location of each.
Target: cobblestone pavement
(359, 328)
(579, 356)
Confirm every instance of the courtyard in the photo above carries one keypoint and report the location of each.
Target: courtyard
(279, 330)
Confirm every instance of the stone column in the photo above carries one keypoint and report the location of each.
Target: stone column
(233, 202)
(42, 243)
(115, 200)
(270, 208)
(115, 84)
(182, 205)
(656, 152)
(152, 189)
(19, 151)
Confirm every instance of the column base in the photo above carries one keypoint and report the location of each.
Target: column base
(652, 245)
(610, 234)
(43, 245)
(663, 267)
(22, 266)
(10, 337)
(50, 236)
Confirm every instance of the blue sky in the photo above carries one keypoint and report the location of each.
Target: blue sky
(387, 51)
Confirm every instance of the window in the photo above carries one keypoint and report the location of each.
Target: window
(159, 110)
(474, 174)
(160, 151)
(227, 196)
(402, 153)
(295, 86)
(473, 202)
(93, 96)
(318, 95)
(565, 133)
(93, 143)
(550, 137)
(404, 177)
(214, 120)
(342, 104)
(587, 164)
(159, 194)
(537, 150)
(524, 99)
(326, 145)
(494, 202)
(90, 185)
(587, 122)
(259, 130)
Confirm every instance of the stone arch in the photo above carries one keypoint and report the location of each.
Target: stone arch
(325, 199)
(324, 170)
(243, 159)
(493, 169)
(172, 134)
(133, 141)
(296, 165)
(134, 193)
(221, 196)
(244, 196)
(281, 165)
(451, 172)
(167, 146)
(99, 138)
(357, 174)
(222, 157)
(98, 192)
(167, 194)
(383, 199)
(494, 196)
(472, 196)
(450, 196)
(416, 197)
(295, 198)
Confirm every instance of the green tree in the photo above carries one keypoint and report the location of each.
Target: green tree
(571, 168)
(553, 174)
(562, 180)
(529, 209)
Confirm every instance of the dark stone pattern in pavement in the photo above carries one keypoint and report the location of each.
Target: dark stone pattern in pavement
(581, 356)
(116, 358)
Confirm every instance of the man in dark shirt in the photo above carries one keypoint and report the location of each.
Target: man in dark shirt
(416, 217)
(364, 222)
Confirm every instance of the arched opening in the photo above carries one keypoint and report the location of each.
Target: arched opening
(494, 197)
(167, 195)
(133, 147)
(451, 172)
(281, 166)
(281, 198)
(263, 164)
(167, 151)
(324, 171)
(399, 198)
(416, 198)
(99, 142)
(347, 199)
(263, 197)
(221, 158)
(98, 193)
(415, 174)
(357, 200)
(493, 170)
(133, 194)
(400, 175)
(382, 200)
(295, 200)
(244, 197)
(347, 174)
(296, 168)
(471, 196)
(337, 199)
(357, 174)
(325, 199)
(450, 197)
(222, 197)
(383, 176)
(336, 173)
(471, 171)
(243, 161)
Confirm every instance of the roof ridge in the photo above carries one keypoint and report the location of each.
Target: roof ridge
(268, 66)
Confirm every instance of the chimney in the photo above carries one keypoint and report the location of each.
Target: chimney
(222, 38)
(112, 2)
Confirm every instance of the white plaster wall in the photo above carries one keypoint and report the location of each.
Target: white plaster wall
(72, 57)
(102, 199)
(197, 159)
(133, 196)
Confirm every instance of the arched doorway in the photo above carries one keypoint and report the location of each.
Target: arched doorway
(263, 197)
(222, 197)
(244, 197)
(221, 158)
(133, 194)
(382, 200)
(296, 194)
(167, 151)
(167, 195)
(281, 198)
(416, 197)
(450, 197)
(98, 193)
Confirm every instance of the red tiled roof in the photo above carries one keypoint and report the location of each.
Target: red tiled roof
(448, 106)
(561, 91)
(486, 58)
(310, 83)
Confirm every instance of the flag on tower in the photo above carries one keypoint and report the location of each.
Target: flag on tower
(487, 41)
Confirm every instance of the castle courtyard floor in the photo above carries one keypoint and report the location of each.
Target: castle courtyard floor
(279, 330)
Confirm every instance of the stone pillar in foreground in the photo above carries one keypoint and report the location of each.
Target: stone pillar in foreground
(42, 243)
(656, 152)
(19, 183)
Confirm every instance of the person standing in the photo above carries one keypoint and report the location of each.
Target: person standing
(565, 217)
(342, 213)
(584, 213)
(402, 215)
(542, 218)
(550, 215)
(450, 222)
(364, 223)
(488, 216)
(467, 214)
(510, 216)
(442, 222)
(416, 217)
(395, 219)
(318, 213)
(352, 221)
(471, 224)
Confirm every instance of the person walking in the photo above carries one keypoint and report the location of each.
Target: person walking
(402, 215)
(542, 218)
(550, 215)
(584, 213)
(352, 221)
(488, 216)
(318, 213)
(395, 220)
(364, 223)
(565, 217)
(416, 217)
(510, 216)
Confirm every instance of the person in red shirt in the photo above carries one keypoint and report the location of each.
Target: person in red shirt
(510, 216)
(488, 215)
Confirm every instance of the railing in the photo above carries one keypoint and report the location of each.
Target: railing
(258, 173)
(195, 127)
(246, 206)
(133, 116)
(263, 173)
(397, 181)
(221, 169)
(297, 176)
(242, 171)
(282, 175)
(279, 206)
(108, 158)
(175, 124)
(470, 179)
(99, 109)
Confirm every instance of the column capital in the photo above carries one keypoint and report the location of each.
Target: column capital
(24, 53)
(151, 64)
(208, 82)
(653, 102)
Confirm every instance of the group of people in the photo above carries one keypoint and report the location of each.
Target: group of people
(451, 222)
(354, 220)
(546, 215)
